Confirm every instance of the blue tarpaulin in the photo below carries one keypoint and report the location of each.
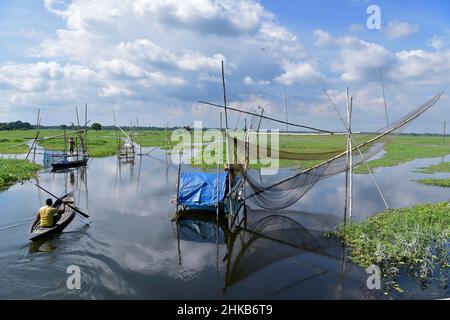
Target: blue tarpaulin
(198, 190)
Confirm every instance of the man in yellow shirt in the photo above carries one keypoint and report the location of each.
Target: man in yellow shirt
(49, 216)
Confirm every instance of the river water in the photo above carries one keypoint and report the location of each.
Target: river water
(130, 248)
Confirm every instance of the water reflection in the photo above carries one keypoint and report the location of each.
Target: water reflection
(132, 249)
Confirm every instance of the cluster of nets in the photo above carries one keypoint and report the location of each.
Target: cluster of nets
(276, 195)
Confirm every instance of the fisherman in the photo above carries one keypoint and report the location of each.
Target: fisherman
(48, 215)
(71, 145)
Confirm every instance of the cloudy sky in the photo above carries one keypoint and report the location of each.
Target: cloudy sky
(154, 59)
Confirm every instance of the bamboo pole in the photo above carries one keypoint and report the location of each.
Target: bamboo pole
(178, 183)
(350, 203)
(219, 154)
(227, 144)
(360, 153)
(347, 171)
(268, 118)
(139, 137)
(444, 135)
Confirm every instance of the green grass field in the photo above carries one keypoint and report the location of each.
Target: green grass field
(101, 143)
(15, 170)
(401, 149)
(415, 239)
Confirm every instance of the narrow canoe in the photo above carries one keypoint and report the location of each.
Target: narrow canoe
(70, 164)
(38, 232)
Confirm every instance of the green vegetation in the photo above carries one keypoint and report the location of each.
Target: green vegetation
(414, 239)
(14, 170)
(401, 149)
(441, 167)
(96, 126)
(17, 125)
(104, 143)
(101, 143)
(435, 182)
(405, 148)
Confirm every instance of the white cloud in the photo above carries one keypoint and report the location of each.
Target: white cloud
(248, 80)
(303, 73)
(396, 30)
(437, 43)
(359, 60)
(322, 38)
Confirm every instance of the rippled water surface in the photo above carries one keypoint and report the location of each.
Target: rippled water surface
(130, 248)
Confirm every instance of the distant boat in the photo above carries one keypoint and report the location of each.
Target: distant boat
(70, 163)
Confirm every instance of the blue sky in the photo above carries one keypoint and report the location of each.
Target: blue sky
(155, 59)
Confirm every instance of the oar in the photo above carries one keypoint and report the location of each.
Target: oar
(74, 208)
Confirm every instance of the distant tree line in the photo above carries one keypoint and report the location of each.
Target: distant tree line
(15, 125)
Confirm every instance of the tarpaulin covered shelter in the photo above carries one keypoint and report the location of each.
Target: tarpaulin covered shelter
(198, 190)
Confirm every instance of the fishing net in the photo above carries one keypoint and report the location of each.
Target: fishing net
(52, 156)
(279, 194)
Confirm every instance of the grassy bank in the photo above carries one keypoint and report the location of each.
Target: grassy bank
(101, 143)
(14, 170)
(414, 239)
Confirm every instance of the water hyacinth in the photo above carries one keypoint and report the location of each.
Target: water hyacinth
(15, 170)
(414, 240)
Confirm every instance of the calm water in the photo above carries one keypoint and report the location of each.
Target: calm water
(129, 248)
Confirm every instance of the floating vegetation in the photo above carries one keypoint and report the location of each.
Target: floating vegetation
(445, 183)
(412, 240)
(15, 170)
(441, 167)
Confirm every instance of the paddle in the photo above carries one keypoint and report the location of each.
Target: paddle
(74, 208)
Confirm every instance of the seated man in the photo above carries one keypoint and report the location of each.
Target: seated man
(49, 216)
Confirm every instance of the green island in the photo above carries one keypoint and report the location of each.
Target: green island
(101, 143)
(445, 183)
(15, 170)
(413, 239)
(437, 168)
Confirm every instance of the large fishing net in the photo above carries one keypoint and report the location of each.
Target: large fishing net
(272, 194)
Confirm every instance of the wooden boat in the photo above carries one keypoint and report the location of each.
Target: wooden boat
(38, 232)
(70, 164)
